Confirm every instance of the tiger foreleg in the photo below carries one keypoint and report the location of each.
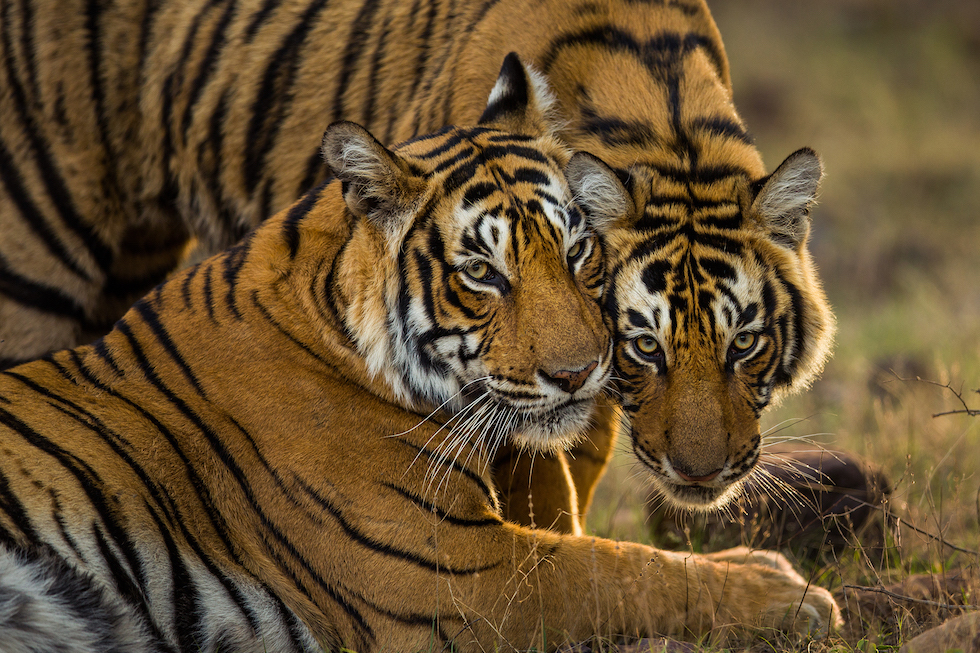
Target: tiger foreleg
(565, 588)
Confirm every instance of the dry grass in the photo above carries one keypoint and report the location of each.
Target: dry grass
(887, 92)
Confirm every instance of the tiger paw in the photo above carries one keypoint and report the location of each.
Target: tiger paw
(744, 555)
(794, 606)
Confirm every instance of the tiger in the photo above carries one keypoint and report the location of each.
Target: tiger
(129, 128)
(288, 446)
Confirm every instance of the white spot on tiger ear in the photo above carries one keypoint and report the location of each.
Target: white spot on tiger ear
(598, 191)
(786, 196)
(499, 91)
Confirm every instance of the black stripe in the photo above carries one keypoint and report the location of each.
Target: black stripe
(208, 65)
(721, 126)
(282, 329)
(274, 95)
(38, 297)
(93, 11)
(421, 62)
(616, 132)
(371, 88)
(384, 548)
(152, 319)
(10, 504)
(298, 211)
(356, 41)
(34, 218)
(439, 459)
(232, 261)
(28, 48)
(55, 188)
(260, 17)
(211, 169)
(126, 586)
(442, 515)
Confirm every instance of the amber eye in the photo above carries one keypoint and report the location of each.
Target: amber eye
(479, 271)
(576, 251)
(648, 347)
(744, 342)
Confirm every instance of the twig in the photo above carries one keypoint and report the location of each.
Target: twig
(966, 410)
(938, 538)
(901, 597)
(904, 522)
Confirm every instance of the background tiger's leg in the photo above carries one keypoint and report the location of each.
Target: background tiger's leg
(537, 489)
(587, 460)
(556, 489)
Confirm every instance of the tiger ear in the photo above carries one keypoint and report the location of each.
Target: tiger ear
(598, 191)
(378, 184)
(521, 101)
(783, 199)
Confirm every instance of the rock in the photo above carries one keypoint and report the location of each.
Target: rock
(958, 634)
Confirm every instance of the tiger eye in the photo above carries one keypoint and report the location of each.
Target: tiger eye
(479, 271)
(744, 342)
(647, 345)
(576, 250)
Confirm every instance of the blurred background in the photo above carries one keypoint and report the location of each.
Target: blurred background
(888, 93)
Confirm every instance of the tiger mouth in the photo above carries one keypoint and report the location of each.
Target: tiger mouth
(695, 495)
(698, 496)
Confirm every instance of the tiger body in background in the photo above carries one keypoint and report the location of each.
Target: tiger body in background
(248, 460)
(130, 126)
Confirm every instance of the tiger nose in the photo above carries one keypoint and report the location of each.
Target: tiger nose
(571, 380)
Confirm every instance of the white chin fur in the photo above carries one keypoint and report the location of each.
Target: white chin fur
(554, 431)
(698, 498)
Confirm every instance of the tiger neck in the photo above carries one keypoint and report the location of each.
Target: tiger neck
(345, 285)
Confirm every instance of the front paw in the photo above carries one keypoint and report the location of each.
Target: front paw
(743, 555)
(796, 607)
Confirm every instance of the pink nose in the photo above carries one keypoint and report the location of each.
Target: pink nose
(571, 381)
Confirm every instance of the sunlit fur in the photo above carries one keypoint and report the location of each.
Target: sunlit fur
(126, 127)
(234, 467)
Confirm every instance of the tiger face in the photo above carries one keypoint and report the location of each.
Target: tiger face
(713, 323)
(489, 305)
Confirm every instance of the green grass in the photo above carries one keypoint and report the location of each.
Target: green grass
(886, 91)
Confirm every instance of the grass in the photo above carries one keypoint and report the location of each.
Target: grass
(886, 92)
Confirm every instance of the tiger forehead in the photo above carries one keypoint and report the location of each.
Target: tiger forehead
(685, 285)
(481, 146)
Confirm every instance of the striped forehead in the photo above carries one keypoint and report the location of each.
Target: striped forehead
(666, 289)
(506, 222)
(503, 193)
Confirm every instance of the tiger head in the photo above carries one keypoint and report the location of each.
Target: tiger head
(477, 282)
(716, 312)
